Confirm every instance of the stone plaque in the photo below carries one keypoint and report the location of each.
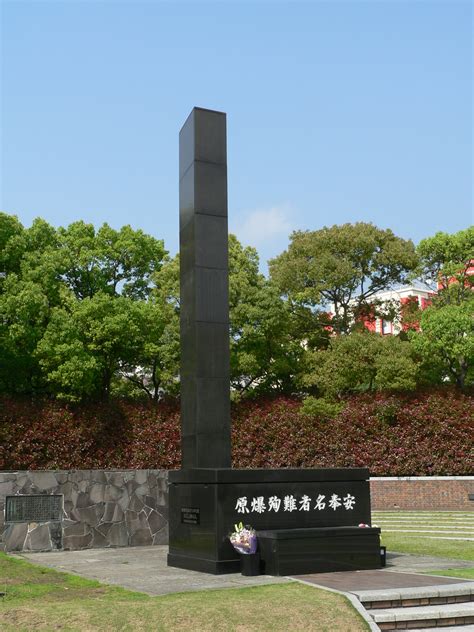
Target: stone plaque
(33, 508)
(190, 515)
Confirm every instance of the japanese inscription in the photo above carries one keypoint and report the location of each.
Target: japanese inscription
(290, 503)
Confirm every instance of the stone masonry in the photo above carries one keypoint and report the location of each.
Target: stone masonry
(100, 509)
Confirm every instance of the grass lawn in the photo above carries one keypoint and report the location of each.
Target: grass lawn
(427, 533)
(401, 543)
(38, 598)
(464, 573)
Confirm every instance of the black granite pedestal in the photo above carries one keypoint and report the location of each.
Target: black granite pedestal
(206, 503)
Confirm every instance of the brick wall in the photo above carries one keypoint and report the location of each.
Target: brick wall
(442, 493)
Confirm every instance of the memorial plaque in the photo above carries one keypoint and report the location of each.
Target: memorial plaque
(33, 508)
(190, 515)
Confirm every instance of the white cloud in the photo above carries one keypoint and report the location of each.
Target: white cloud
(263, 226)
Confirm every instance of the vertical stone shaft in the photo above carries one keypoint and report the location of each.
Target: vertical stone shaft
(204, 306)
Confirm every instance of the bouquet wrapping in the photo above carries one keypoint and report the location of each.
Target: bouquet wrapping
(244, 539)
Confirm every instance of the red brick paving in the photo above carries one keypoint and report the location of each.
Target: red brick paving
(349, 581)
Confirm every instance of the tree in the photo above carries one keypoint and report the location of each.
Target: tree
(448, 260)
(116, 262)
(52, 282)
(362, 362)
(158, 371)
(11, 232)
(24, 314)
(264, 356)
(342, 267)
(87, 342)
(446, 337)
(26, 298)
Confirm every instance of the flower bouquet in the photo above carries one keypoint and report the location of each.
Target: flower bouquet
(244, 539)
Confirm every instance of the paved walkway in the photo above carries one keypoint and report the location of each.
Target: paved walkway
(141, 568)
(145, 569)
(405, 563)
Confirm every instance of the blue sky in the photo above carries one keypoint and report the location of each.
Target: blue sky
(337, 112)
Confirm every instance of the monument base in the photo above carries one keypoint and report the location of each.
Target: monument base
(203, 565)
(205, 504)
(320, 550)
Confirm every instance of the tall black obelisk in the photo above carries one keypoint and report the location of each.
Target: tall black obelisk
(206, 496)
(204, 303)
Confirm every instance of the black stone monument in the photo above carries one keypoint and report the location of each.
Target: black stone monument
(307, 520)
(204, 301)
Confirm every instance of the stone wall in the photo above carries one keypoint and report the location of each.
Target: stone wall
(422, 493)
(100, 509)
(130, 507)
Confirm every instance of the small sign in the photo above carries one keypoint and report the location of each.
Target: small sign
(190, 515)
(33, 508)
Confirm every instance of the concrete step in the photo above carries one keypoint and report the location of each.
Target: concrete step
(448, 628)
(412, 597)
(453, 614)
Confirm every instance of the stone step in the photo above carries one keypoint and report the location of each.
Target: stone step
(425, 523)
(453, 614)
(436, 533)
(436, 527)
(414, 512)
(448, 628)
(432, 519)
(421, 596)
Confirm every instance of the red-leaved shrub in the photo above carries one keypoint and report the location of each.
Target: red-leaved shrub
(115, 435)
(425, 434)
(422, 434)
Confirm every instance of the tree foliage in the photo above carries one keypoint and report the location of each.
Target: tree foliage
(73, 305)
(448, 260)
(446, 338)
(362, 362)
(342, 267)
(264, 356)
(86, 313)
(87, 342)
(110, 261)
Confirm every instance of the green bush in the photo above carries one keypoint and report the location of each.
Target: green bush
(322, 408)
(387, 412)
